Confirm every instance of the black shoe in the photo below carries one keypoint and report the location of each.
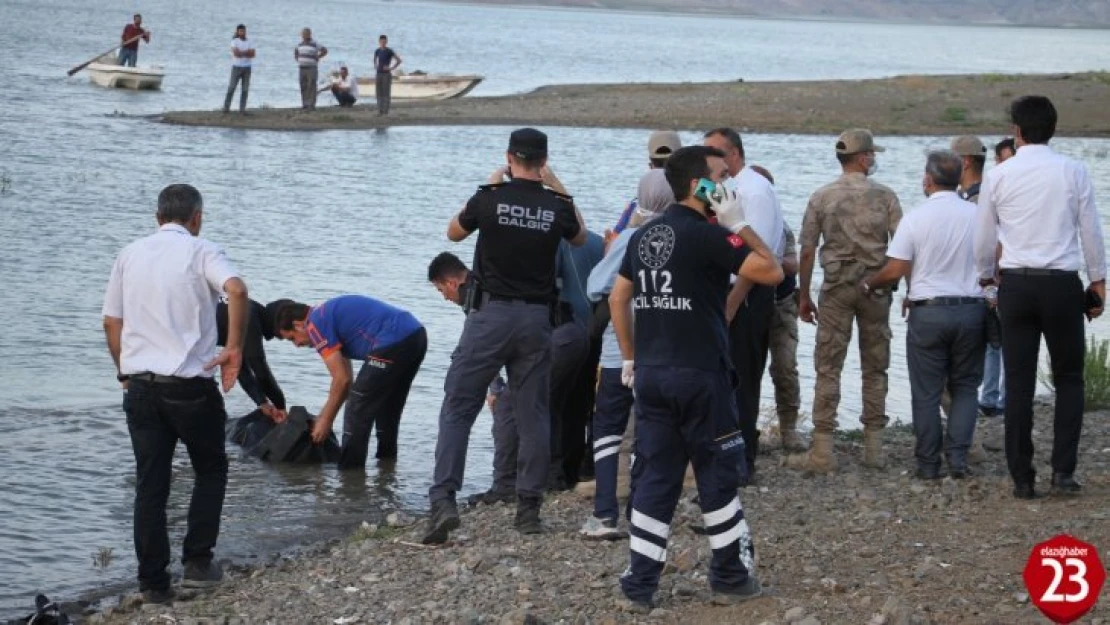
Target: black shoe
(491, 497)
(202, 574)
(159, 597)
(927, 474)
(959, 473)
(989, 411)
(528, 515)
(1065, 484)
(1024, 490)
(732, 596)
(444, 519)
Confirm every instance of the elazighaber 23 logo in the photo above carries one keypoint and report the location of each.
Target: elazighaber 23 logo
(1064, 577)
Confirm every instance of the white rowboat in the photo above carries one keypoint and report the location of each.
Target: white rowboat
(106, 72)
(421, 86)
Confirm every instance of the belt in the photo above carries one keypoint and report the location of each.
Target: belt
(154, 378)
(945, 301)
(1028, 271)
(490, 297)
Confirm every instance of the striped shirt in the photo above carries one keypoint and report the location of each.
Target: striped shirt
(308, 53)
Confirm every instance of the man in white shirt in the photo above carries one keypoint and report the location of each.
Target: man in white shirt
(160, 322)
(945, 339)
(345, 88)
(242, 54)
(1039, 205)
(750, 307)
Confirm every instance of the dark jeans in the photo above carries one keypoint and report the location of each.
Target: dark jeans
(344, 98)
(383, 91)
(377, 399)
(944, 350)
(158, 415)
(128, 57)
(1031, 307)
(749, 342)
(569, 347)
(238, 75)
(578, 437)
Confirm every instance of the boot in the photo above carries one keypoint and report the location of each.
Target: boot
(791, 442)
(873, 449)
(976, 454)
(528, 515)
(443, 520)
(819, 459)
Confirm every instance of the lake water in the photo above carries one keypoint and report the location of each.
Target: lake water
(311, 215)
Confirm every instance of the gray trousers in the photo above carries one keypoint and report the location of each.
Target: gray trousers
(516, 336)
(383, 89)
(308, 76)
(243, 75)
(944, 350)
(569, 344)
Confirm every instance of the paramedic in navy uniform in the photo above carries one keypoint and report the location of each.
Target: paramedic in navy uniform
(675, 275)
(508, 324)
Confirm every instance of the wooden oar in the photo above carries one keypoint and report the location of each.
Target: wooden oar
(93, 60)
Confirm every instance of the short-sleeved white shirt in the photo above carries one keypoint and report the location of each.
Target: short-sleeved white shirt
(242, 45)
(938, 237)
(165, 288)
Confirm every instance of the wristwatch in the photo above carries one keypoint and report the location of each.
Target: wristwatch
(866, 287)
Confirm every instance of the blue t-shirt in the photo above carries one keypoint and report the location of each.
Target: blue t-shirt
(358, 326)
(383, 58)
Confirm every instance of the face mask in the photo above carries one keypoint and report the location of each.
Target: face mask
(874, 167)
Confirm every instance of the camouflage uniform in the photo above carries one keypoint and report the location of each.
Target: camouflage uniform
(856, 218)
(784, 351)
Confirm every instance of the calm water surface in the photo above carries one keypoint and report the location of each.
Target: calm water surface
(312, 215)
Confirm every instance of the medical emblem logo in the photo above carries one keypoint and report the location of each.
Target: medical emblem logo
(656, 246)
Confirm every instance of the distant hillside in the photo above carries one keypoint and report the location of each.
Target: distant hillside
(1072, 13)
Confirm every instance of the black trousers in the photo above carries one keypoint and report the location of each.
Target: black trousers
(749, 342)
(1031, 307)
(578, 439)
(158, 415)
(377, 399)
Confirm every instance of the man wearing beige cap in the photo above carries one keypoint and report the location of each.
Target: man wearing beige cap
(856, 217)
(661, 145)
(974, 156)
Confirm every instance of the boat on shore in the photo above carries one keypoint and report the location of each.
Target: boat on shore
(422, 86)
(107, 72)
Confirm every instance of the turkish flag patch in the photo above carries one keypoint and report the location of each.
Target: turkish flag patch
(735, 240)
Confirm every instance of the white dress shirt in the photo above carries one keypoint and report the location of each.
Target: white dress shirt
(938, 238)
(165, 288)
(350, 84)
(1039, 205)
(761, 208)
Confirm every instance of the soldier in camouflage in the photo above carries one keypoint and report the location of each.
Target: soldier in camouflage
(784, 348)
(855, 217)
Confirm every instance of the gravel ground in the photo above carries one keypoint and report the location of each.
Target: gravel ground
(903, 105)
(862, 546)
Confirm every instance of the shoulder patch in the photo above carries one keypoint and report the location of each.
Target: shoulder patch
(735, 241)
(490, 187)
(562, 196)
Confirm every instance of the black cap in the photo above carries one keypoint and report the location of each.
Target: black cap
(240, 26)
(269, 317)
(528, 144)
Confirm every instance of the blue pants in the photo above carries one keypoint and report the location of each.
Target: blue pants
(686, 416)
(515, 335)
(614, 401)
(944, 350)
(993, 393)
(128, 56)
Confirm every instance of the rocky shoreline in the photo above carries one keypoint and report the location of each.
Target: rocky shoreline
(902, 105)
(861, 546)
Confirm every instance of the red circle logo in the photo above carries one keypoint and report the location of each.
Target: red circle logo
(1064, 577)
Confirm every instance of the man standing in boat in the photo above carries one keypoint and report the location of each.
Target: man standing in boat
(129, 50)
(385, 61)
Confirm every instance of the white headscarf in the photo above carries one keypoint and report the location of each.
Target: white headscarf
(653, 197)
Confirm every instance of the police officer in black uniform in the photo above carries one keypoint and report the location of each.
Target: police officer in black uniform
(675, 275)
(508, 324)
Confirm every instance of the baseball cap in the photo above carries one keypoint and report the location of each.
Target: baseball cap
(528, 144)
(663, 143)
(855, 141)
(968, 145)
